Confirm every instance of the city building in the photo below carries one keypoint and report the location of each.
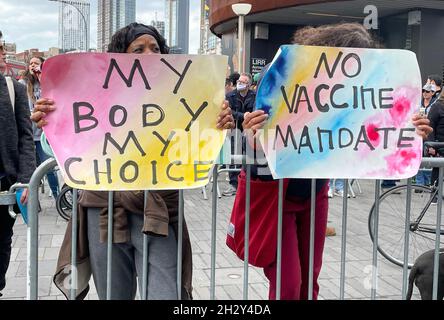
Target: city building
(27, 55)
(74, 25)
(14, 67)
(11, 48)
(113, 15)
(177, 16)
(51, 52)
(159, 25)
(416, 25)
(209, 42)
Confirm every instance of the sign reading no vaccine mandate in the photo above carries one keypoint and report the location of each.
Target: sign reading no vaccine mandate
(341, 113)
(134, 122)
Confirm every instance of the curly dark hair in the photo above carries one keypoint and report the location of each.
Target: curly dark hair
(123, 38)
(348, 35)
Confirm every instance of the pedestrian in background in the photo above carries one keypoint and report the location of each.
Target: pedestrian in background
(241, 100)
(32, 82)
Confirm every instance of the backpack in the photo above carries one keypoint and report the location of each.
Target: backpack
(11, 91)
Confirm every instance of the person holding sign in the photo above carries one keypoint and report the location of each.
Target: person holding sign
(296, 210)
(158, 219)
(32, 82)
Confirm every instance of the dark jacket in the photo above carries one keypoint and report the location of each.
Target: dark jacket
(239, 106)
(436, 117)
(17, 150)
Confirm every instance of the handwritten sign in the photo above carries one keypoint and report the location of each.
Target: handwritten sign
(341, 113)
(134, 122)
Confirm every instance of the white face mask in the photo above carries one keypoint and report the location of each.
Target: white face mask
(241, 86)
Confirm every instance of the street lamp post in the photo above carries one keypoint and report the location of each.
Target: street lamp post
(81, 14)
(241, 10)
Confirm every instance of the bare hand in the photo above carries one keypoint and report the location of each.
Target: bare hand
(41, 108)
(422, 126)
(225, 118)
(24, 197)
(254, 120)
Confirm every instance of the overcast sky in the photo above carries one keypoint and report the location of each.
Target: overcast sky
(34, 23)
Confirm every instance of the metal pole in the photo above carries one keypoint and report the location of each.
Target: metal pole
(179, 246)
(343, 240)
(312, 231)
(375, 241)
(406, 238)
(110, 245)
(213, 235)
(279, 240)
(74, 246)
(438, 235)
(241, 67)
(33, 228)
(241, 44)
(247, 231)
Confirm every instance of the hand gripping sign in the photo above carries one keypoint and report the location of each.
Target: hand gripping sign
(341, 113)
(134, 122)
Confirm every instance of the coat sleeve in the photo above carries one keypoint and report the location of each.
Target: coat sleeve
(237, 115)
(26, 146)
(433, 117)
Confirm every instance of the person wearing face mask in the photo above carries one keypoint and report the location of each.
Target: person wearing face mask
(241, 100)
(428, 91)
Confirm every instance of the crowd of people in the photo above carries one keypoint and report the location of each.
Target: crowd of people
(20, 147)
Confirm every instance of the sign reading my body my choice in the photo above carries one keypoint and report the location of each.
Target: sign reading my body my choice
(341, 113)
(134, 122)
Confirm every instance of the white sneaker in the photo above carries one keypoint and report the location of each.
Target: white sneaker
(340, 193)
(330, 193)
(230, 191)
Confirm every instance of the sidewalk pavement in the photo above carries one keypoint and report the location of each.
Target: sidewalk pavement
(229, 269)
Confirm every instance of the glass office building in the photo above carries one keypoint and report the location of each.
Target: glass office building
(74, 25)
(177, 16)
(112, 16)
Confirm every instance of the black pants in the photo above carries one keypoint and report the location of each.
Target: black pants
(6, 225)
(241, 149)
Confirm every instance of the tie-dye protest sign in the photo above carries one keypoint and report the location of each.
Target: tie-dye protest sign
(341, 113)
(134, 122)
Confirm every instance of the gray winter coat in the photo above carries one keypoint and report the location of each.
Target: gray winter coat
(17, 149)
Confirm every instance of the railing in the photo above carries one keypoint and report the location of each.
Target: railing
(32, 257)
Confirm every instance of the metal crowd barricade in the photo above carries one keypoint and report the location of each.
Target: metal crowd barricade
(32, 266)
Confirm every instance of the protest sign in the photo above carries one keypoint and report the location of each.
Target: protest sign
(341, 113)
(134, 122)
